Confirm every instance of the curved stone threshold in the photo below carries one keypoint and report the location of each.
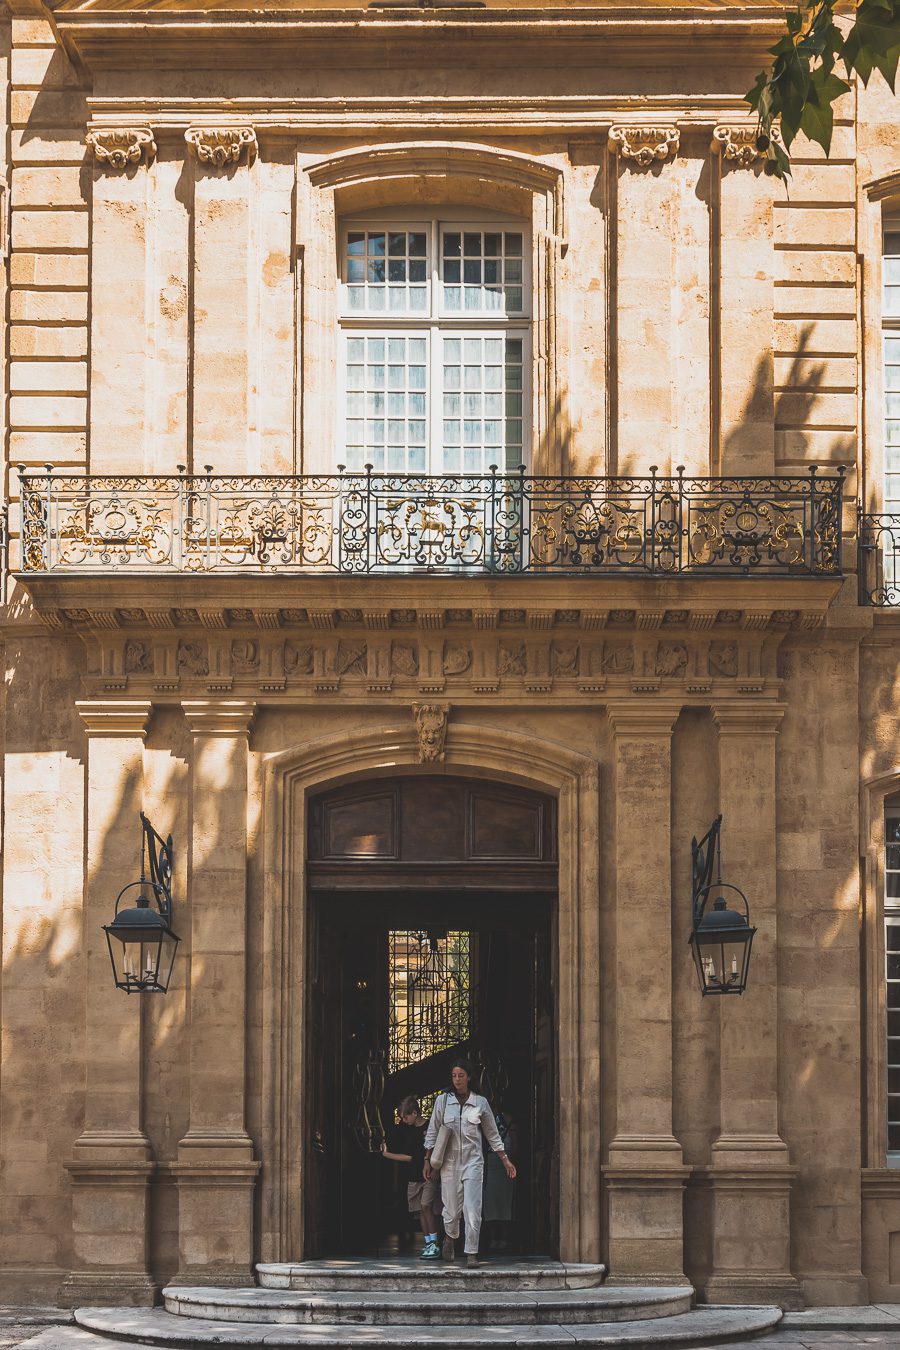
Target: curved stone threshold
(702, 1327)
(429, 1307)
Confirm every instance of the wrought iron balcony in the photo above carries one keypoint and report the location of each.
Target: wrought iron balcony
(368, 523)
(879, 560)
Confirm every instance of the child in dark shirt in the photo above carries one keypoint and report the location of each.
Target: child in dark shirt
(421, 1195)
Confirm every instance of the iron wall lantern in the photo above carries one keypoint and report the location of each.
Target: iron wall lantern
(141, 942)
(721, 938)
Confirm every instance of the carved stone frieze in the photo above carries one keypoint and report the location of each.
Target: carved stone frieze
(671, 659)
(737, 145)
(512, 659)
(121, 148)
(431, 730)
(457, 658)
(564, 658)
(618, 658)
(561, 665)
(404, 658)
(244, 656)
(138, 657)
(298, 658)
(644, 145)
(723, 659)
(192, 658)
(217, 147)
(351, 658)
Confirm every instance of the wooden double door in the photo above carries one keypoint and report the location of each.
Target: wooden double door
(406, 875)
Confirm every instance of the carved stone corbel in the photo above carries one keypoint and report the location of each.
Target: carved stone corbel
(737, 145)
(644, 145)
(217, 147)
(122, 147)
(431, 730)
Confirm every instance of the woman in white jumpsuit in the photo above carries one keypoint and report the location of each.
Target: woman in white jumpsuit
(466, 1119)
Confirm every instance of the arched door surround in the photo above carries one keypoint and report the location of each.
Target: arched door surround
(472, 751)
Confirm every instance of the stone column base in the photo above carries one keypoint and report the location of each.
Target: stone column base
(215, 1221)
(91, 1288)
(646, 1224)
(751, 1254)
(109, 1226)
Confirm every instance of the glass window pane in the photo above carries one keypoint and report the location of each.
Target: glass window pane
(472, 245)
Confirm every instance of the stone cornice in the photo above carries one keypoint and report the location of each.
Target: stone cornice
(219, 717)
(751, 719)
(121, 148)
(640, 722)
(119, 717)
(96, 604)
(132, 37)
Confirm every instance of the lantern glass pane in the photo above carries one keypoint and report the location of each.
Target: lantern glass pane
(722, 961)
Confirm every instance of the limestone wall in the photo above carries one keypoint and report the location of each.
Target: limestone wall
(686, 311)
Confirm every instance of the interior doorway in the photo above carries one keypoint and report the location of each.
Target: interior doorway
(431, 932)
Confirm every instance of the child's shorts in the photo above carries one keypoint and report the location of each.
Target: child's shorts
(419, 1193)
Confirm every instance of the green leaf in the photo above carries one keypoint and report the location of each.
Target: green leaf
(817, 121)
(777, 164)
(754, 95)
(873, 43)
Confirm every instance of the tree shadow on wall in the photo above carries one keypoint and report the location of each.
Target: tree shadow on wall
(792, 398)
(55, 963)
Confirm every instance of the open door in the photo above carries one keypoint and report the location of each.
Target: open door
(367, 950)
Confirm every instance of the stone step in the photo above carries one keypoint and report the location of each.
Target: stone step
(429, 1307)
(411, 1274)
(703, 1327)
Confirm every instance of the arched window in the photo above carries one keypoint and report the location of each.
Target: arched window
(435, 351)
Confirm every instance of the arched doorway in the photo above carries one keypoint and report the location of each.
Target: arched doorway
(431, 931)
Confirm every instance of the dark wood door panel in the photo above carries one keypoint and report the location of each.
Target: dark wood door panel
(435, 820)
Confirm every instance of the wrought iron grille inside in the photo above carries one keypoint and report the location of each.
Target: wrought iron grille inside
(430, 1000)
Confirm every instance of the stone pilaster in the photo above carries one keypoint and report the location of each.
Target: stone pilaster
(111, 1164)
(744, 326)
(750, 1173)
(645, 1174)
(119, 312)
(216, 1170)
(222, 339)
(645, 192)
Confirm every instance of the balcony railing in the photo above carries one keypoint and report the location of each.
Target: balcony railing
(367, 523)
(879, 560)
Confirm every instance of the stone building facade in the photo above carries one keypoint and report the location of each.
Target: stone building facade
(436, 239)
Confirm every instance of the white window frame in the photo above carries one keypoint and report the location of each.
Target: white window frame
(435, 322)
(891, 1042)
